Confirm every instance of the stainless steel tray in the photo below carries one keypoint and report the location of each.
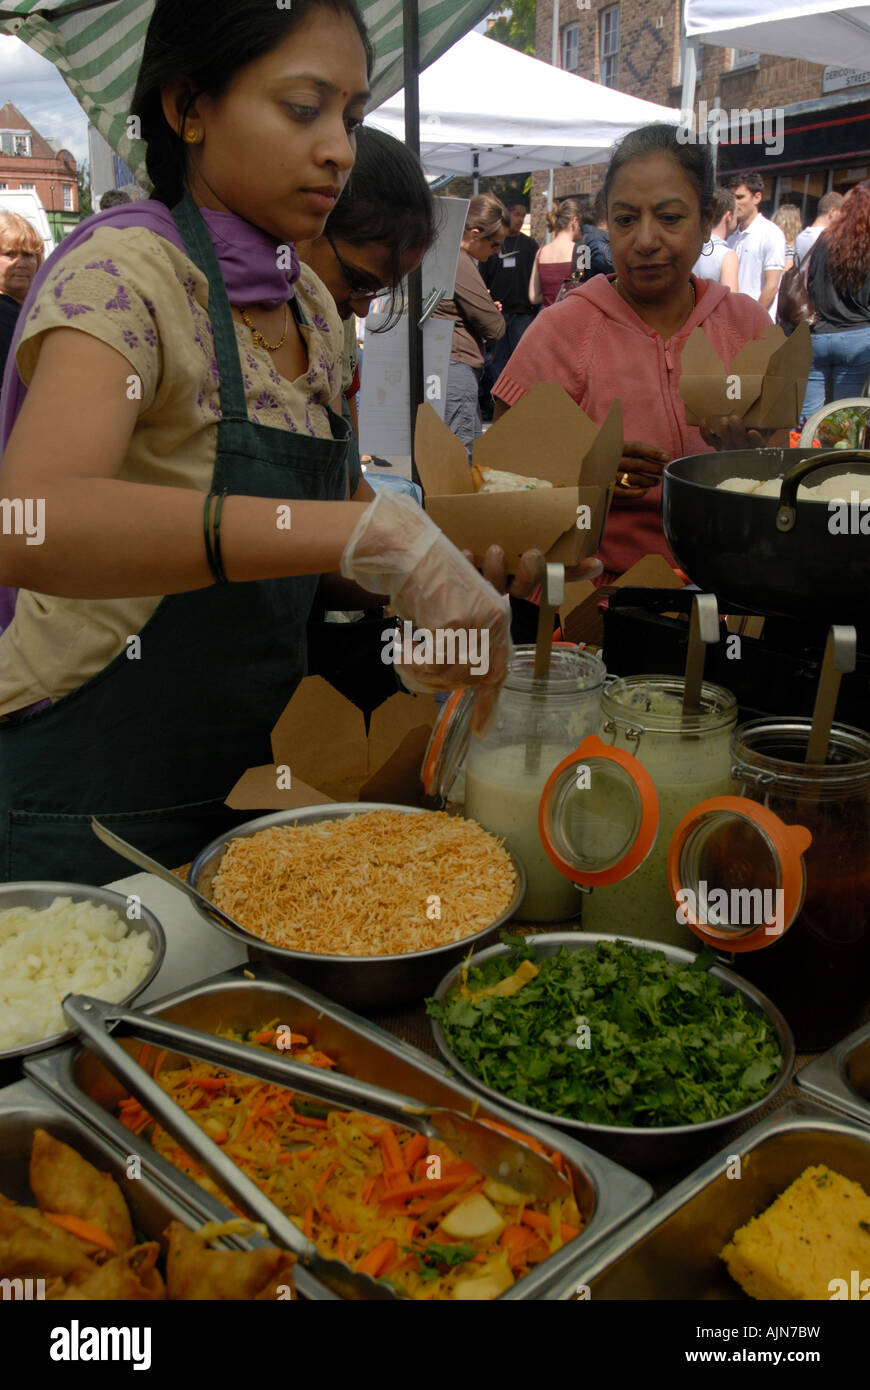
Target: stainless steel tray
(671, 1251)
(607, 1194)
(841, 1076)
(368, 983)
(25, 1107)
(651, 1149)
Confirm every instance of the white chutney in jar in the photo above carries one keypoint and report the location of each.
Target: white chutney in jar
(539, 721)
(689, 760)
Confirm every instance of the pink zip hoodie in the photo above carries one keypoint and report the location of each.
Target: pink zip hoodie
(594, 345)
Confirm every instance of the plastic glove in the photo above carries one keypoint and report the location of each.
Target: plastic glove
(463, 625)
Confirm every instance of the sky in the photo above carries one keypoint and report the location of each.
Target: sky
(35, 86)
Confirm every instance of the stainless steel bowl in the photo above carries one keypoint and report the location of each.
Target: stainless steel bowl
(365, 983)
(645, 1149)
(40, 895)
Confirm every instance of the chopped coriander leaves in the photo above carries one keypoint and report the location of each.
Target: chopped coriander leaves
(666, 1046)
(436, 1259)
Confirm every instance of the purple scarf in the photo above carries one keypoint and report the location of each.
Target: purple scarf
(249, 262)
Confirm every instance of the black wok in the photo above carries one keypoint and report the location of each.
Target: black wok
(776, 557)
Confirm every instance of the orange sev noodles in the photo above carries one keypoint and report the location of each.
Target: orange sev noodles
(356, 1184)
(377, 883)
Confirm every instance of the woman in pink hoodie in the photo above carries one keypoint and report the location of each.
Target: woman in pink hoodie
(622, 336)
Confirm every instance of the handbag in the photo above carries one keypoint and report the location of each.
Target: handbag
(794, 305)
(576, 277)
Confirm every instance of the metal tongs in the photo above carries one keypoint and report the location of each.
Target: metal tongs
(507, 1160)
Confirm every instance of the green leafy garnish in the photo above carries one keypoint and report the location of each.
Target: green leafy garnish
(436, 1259)
(666, 1044)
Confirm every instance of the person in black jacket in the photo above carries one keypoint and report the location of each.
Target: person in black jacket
(596, 238)
(839, 287)
(506, 276)
(21, 251)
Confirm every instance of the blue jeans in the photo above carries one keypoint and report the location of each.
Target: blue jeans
(841, 365)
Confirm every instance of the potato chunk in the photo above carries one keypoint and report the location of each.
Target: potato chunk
(474, 1219)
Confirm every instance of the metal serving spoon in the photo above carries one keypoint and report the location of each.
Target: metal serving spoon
(144, 861)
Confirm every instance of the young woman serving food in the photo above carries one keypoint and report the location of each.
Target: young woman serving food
(169, 411)
(622, 337)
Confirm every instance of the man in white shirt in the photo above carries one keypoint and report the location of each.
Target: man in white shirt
(720, 263)
(828, 212)
(760, 246)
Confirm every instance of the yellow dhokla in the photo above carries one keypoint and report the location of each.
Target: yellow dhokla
(817, 1231)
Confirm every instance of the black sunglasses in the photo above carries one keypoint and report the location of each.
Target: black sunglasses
(355, 290)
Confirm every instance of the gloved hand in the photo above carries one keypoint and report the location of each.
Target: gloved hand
(463, 625)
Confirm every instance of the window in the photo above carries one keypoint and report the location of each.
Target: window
(609, 50)
(28, 187)
(3, 187)
(15, 143)
(742, 58)
(570, 47)
(67, 197)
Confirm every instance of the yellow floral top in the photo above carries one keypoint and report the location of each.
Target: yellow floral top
(137, 292)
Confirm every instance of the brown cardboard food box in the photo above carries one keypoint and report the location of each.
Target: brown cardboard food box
(321, 748)
(546, 435)
(763, 384)
(581, 619)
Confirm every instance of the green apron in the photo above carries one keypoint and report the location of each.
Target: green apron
(153, 745)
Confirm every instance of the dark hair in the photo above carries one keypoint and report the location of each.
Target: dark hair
(209, 44)
(848, 240)
(114, 198)
(386, 201)
(752, 181)
(516, 203)
(599, 207)
(694, 159)
(723, 201)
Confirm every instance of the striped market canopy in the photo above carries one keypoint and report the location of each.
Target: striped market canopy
(96, 46)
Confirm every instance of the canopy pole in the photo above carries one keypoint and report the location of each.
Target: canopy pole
(475, 172)
(690, 73)
(554, 60)
(411, 29)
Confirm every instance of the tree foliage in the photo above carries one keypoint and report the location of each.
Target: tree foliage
(84, 180)
(515, 25)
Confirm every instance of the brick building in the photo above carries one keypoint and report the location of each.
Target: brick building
(817, 136)
(27, 160)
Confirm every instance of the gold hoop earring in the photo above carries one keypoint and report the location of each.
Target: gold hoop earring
(192, 137)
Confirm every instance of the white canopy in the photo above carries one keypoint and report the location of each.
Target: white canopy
(819, 30)
(514, 112)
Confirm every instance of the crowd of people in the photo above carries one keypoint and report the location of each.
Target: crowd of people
(162, 500)
(741, 250)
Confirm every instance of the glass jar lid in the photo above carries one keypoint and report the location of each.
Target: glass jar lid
(736, 873)
(448, 745)
(599, 814)
(735, 869)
